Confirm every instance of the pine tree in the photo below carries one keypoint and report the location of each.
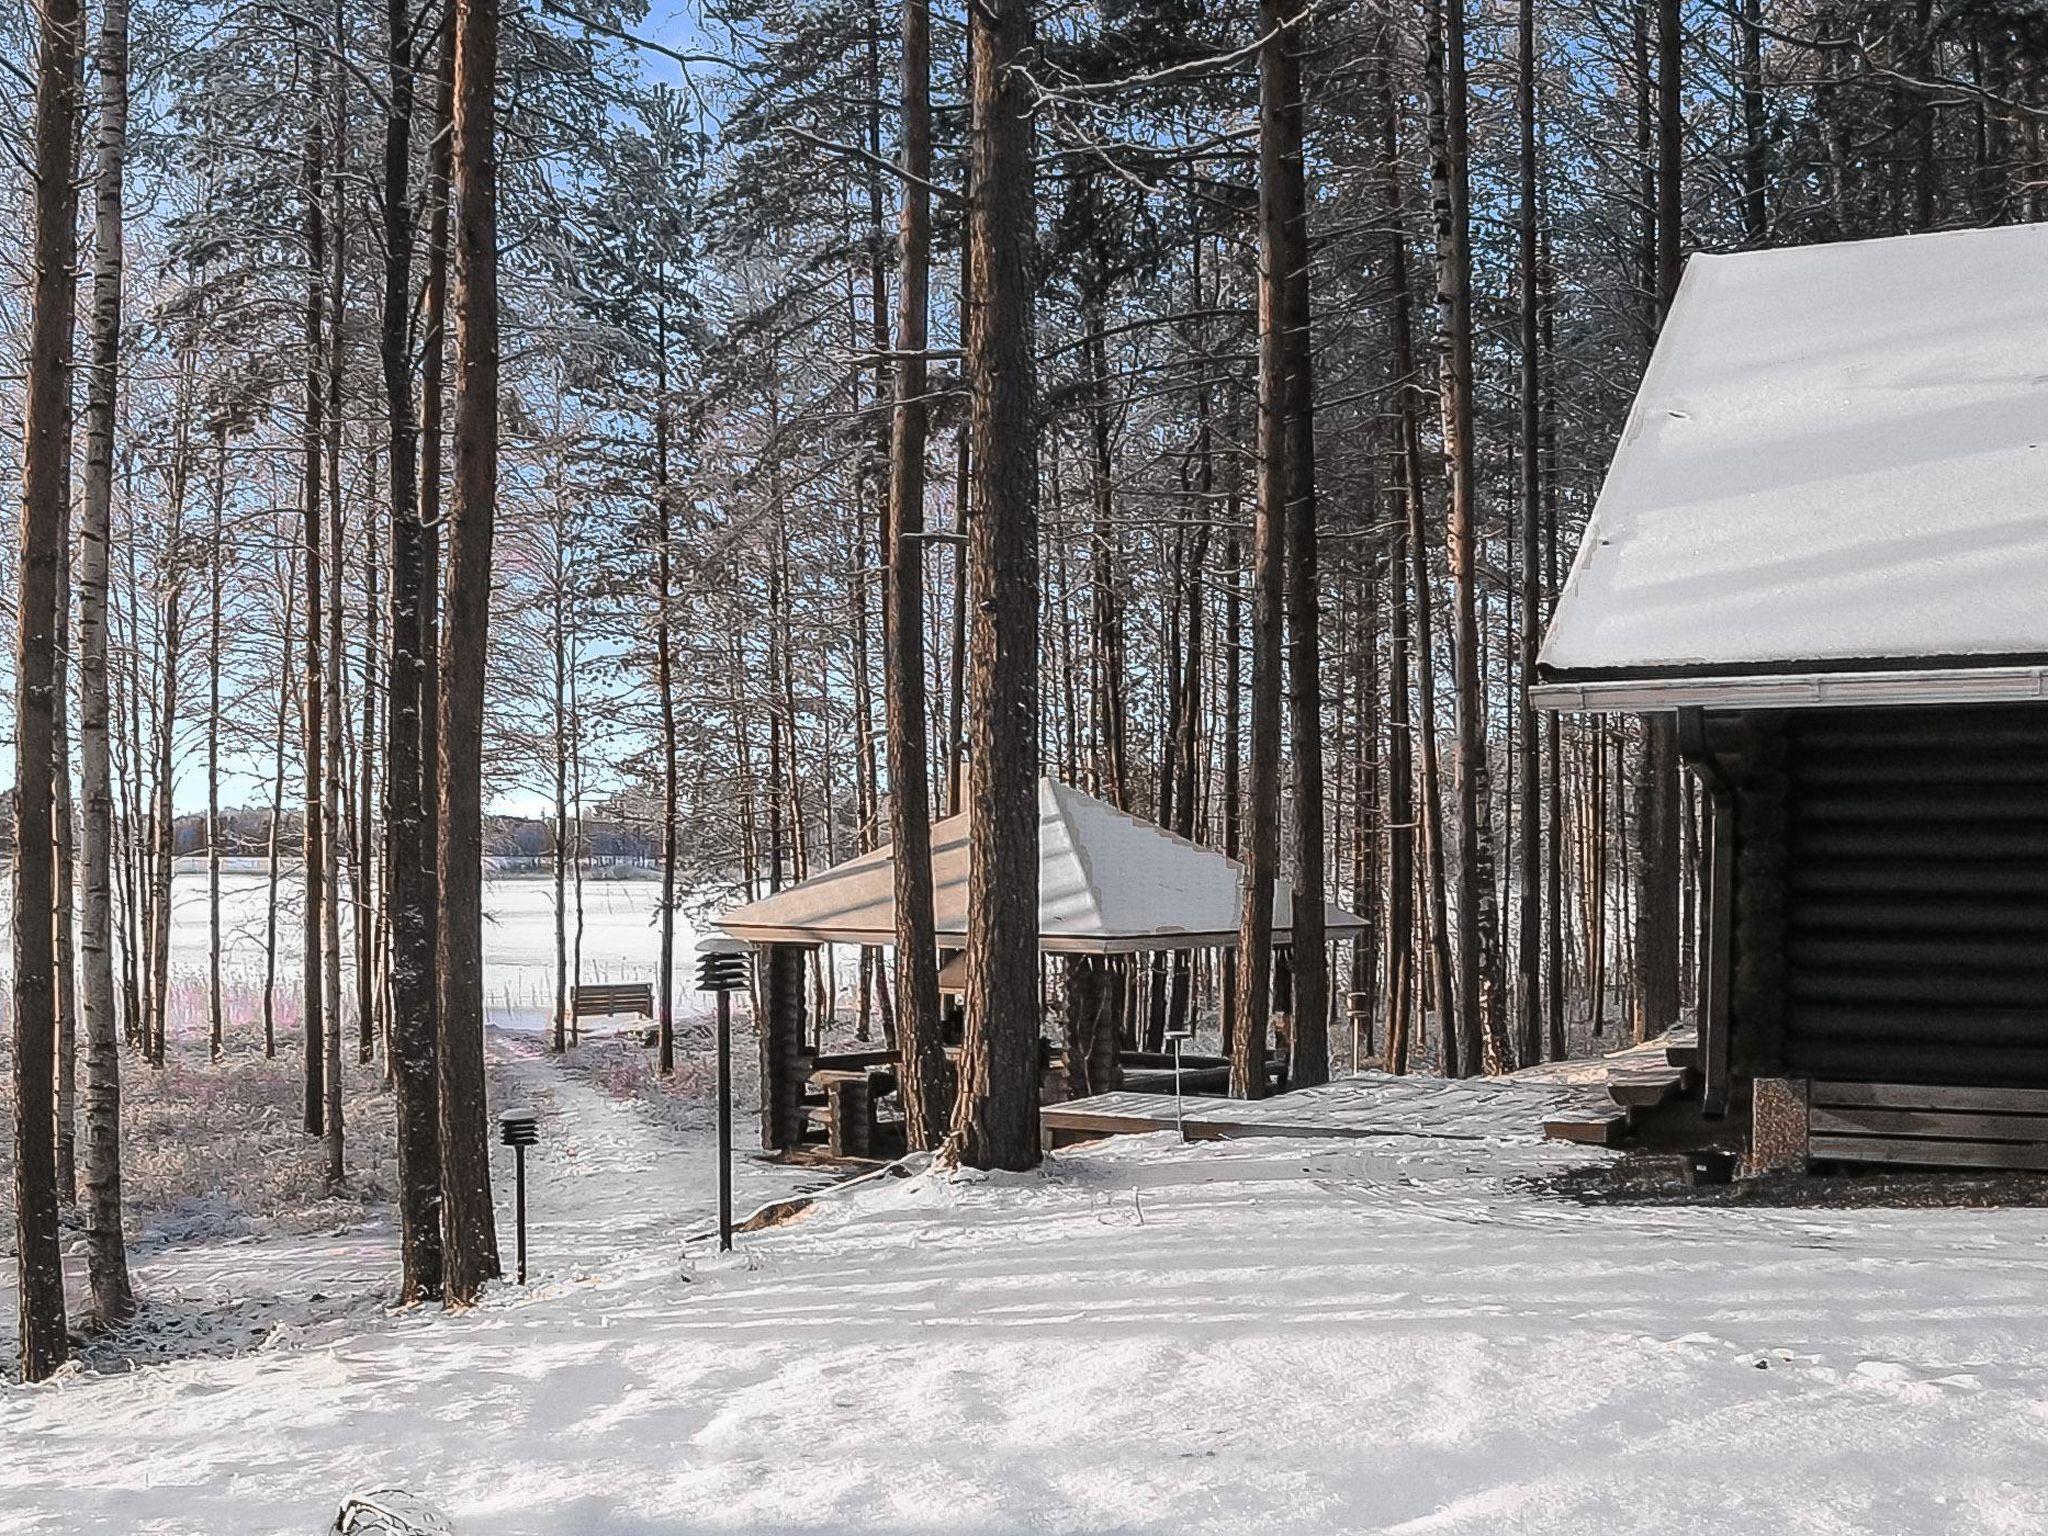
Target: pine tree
(995, 1123)
(469, 1234)
(46, 455)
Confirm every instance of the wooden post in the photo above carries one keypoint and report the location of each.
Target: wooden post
(1717, 948)
(782, 1048)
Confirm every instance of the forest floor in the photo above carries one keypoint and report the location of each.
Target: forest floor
(1405, 1335)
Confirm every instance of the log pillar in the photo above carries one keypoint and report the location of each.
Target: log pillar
(1093, 1026)
(784, 1061)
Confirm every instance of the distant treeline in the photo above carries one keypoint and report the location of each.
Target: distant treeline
(508, 840)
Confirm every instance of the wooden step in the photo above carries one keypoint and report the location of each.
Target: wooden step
(1637, 1087)
(1588, 1127)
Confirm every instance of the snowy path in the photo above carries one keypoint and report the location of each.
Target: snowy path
(307, 1384)
(1400, 1335)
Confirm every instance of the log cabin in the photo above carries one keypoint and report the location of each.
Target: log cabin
(1822, 548)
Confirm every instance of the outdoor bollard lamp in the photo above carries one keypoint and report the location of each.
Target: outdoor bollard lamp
(1178, 1035)
(519, 1129)
(722, 968)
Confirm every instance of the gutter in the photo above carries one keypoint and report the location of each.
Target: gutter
(1659, 695)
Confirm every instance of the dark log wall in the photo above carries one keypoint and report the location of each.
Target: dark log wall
(1891, 893)
(784, 1062)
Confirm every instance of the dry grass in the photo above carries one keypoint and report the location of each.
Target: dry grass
(215, 1148)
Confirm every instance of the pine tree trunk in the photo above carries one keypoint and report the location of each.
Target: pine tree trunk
(1233, 745)
(578, 854)
(1400, 762)
(434, 336)
(922, 1069)
(559, 1033)
(1657, 987)
(665, 690)
(1187, 745)
(164, 824)
(996, 1118)
(216, 1031)
(1755, 147)
(331, 797)
(1261, 851)
(126, 771)
(1451, 183)
(1422, 724)
(1529, 847)
(113, 1295)
(313, 875)
(414, 1045)
(1287, 480)
(370, 918)
(469, 1233)
(1553, 735)
(46, 455)
(63, 852)
(276, 841)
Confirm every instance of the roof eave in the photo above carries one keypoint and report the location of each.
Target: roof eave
(1650, 693)
(807, 935)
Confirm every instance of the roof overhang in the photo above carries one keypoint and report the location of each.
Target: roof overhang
(1794, 690)
(1092, 944)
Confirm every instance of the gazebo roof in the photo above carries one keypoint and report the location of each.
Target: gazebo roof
(1831, 487)
(1108, 883)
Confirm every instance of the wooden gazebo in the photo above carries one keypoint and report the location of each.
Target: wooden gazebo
(1823, 546)
(1109, 884)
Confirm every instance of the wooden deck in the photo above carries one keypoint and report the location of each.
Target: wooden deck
(1370, 1104)
(1592, 1101)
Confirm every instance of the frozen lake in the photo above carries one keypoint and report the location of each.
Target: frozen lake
(621, 939)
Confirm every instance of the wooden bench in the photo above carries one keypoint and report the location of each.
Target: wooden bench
(598, 999)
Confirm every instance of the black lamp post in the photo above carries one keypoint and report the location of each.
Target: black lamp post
(1178, 1035)
(722, 968)
(519, 1129)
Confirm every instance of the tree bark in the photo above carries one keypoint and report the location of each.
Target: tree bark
(1261, 850)
(468, 1231)
(113, 1294)
(313, 869)
(1409, 453)
(331, 799)
(415, 1046)
(433, 404)
(559, 745)
(665, 690)
(996, 1118)
(922, 1070)
(63, 849)
(276, 840)
(1451, 182)
(163, 827)
(216, 1024)
(1657, 989)
(46, 455)
(1529, 844)
(1287, 479)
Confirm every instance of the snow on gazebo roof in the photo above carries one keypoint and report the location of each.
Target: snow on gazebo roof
(1108, 883)
(1836, 471)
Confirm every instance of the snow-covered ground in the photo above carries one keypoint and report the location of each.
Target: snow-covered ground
(1409, 1334)
(1405, 1335)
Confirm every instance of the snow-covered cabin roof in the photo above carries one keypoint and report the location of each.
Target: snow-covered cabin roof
(1108, 883)
(1835, 477)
